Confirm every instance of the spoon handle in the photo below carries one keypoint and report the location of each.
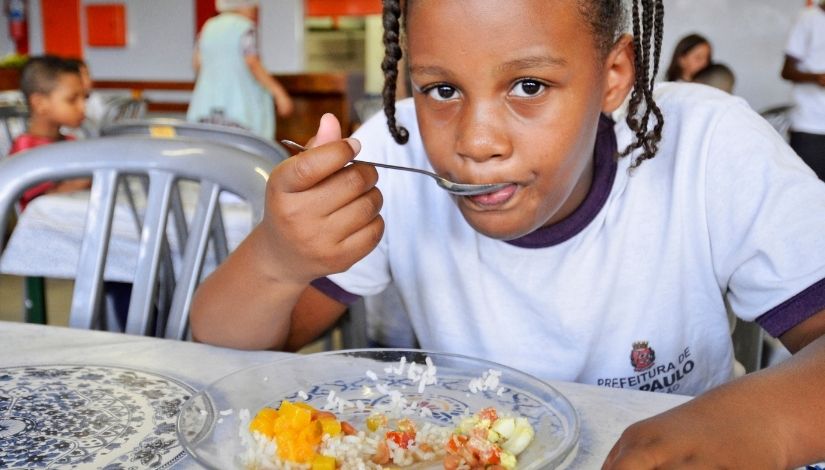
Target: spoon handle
(301, 148)
(396, 167)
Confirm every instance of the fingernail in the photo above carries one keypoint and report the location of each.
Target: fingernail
(354, 144)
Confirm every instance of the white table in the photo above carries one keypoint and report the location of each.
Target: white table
(604, 412)
(46, 241)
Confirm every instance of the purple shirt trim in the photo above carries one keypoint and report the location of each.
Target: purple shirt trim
(604, 173)
(778, 320)
(334, 291)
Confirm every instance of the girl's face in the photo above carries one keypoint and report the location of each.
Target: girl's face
(511, 92)
(694, 60)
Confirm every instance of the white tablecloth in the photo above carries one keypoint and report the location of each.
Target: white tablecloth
(46, 240)
(604, 412)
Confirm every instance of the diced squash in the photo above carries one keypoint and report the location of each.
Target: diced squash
(330, 426)
(323, 462)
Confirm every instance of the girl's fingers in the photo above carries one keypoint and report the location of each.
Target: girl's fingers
(328, 154)
(355, 216)
(360, 243)
(329, 130)
(307, 169)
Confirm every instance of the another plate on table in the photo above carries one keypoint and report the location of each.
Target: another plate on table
(209, 426)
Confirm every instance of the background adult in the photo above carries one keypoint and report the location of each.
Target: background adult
(233, 88)
(691, 54)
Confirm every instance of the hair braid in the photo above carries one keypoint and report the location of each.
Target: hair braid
(635, 95)
(392, 54)
(647, 29)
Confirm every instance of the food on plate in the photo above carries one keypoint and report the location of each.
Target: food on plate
(395, 433)
(298, 436)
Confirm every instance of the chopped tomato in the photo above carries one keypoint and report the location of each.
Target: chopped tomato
(401, 438)
(456, 443)
(488, 413)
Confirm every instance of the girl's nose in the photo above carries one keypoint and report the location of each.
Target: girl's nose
(481, 134)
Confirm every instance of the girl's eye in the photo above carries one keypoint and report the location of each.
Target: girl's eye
(527, 88)
(442, 92)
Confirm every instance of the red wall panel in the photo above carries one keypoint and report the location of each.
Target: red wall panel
(61, 27)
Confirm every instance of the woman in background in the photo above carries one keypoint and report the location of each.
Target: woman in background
(692, 53)
(233, 88)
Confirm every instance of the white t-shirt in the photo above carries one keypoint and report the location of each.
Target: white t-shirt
(629, 290)
(806, 43)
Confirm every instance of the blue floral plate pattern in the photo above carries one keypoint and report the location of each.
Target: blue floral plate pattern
(79, 416)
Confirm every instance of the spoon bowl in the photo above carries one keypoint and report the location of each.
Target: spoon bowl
(459, 189)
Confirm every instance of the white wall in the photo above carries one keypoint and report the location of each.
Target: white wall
(161, 35)
(747, 35)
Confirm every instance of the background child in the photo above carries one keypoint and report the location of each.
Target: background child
(717, 75)
(691, 54)
(805, 67)
(598, 263)
(56, 98)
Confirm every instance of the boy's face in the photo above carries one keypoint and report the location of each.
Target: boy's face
(65, 105)
(508, 93)
(85, 79)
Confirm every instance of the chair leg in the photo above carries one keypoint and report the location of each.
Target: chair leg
(35, 300)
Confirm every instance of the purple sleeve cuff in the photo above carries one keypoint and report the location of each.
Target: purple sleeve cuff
(333, 291)
(794, 311)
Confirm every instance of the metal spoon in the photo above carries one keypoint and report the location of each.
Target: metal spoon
(459, 189)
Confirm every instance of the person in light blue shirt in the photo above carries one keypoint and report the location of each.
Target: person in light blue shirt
(232, 87)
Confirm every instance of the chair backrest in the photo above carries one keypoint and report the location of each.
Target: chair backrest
(166, 127)
(164, 163)
(122, 108)
(14, 119)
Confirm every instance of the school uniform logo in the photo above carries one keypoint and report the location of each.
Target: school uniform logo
(666, 376)
(642, 357)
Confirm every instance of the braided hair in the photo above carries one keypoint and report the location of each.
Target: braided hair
(607, 21)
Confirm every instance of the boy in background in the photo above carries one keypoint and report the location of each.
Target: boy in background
(55, 96)
(717, 75)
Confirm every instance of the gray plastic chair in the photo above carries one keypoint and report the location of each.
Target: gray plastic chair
(122, 108)
(161, 127)
(14, 120)
(165, 162)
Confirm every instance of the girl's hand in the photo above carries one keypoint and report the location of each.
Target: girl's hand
(321, 215)
(703, 433)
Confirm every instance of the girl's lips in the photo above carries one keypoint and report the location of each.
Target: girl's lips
(496, 198)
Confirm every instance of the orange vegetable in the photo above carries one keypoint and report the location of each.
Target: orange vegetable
(330, 426)
(323, 462)
(297, 428)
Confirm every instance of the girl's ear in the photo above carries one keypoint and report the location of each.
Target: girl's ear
(620, 72)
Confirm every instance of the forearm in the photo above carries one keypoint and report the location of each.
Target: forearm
(791, 72)
(783, 403)
(244, 304)
(265, 79)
